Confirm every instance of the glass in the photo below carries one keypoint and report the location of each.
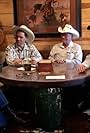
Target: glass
(27, 67)
(27, 64)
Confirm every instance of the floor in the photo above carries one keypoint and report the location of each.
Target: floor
(75, 123)
(79, 123)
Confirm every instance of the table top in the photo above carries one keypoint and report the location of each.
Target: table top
(12, 76)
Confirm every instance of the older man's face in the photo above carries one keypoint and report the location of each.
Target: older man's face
(66, 38)
(20, 38)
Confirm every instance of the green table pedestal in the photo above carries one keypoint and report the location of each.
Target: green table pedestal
(48, 108)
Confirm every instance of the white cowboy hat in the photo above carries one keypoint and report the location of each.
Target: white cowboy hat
(69, 29)
(25, 29)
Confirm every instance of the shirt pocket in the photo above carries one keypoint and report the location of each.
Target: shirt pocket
(70, 55)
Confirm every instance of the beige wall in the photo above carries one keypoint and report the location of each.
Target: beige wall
(7, 20)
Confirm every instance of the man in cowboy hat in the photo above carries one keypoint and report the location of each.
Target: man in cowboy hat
(67, 51)
(23, 48)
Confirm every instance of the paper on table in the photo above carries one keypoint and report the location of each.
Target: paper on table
(22, 69)
(56, 77)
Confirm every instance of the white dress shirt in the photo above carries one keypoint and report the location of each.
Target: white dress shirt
(70, 54)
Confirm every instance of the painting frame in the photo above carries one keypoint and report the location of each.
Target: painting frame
(75, 17)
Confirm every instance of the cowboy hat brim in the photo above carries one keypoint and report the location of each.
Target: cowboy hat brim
(69, 29)
(25, 29)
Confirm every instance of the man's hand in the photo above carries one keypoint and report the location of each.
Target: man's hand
(81, 68)
(60, 61)
(17, 62)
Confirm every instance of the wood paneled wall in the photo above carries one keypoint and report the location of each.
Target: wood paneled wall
(7, 20)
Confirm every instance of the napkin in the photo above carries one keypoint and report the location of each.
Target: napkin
(22, 69)
(56, 77)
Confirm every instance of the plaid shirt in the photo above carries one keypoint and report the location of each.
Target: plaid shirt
(29, 51)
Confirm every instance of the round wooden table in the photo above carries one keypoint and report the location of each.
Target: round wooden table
(12, 76)
(67, 75)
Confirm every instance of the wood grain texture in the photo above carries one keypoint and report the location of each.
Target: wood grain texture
(7, 21)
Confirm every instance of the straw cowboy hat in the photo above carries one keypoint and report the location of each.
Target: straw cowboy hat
(25, 29)
(69, 29)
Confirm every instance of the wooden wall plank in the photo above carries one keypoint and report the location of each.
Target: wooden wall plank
(85, 1)
(6, 6)
(7, 21)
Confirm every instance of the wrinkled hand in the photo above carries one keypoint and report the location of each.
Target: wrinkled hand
(33, 62)
(29, 61)
(60, 61)
(81, 68)
(17, 62)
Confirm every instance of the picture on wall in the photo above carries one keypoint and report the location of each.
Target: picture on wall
(44, 16)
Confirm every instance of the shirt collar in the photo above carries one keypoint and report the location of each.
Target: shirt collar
(70, 45)
(18, 48)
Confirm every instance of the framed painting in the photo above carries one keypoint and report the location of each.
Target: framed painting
(44, 17)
